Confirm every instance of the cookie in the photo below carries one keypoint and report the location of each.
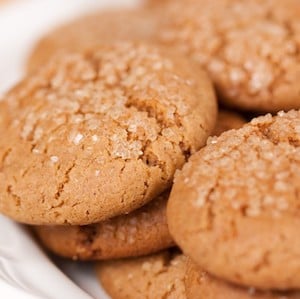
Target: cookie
(149, 3)
(91, 30)
(147, 227)
(227, 120)
(3, 115)
(156, 276)
(201, 285)
(100, 133)
(234, 207)
(141, 232)
(250, 48)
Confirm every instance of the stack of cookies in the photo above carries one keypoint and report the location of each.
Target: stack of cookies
(113, 148)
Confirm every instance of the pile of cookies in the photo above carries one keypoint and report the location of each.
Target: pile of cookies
(114, 150)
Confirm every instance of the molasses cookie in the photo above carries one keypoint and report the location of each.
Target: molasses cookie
(228, 120)
(92, 30)
(156, 276)
(250, 48)
(100, 133)
(234, 208)
(141, 232)
(201, 285)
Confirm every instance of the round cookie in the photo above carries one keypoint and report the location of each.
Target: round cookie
(240, 215)
(146, 227)
(156, 276)
(250, 48)
(227, 120)
(141, 232)
(201, 285)
(100, 133)
(91, 30)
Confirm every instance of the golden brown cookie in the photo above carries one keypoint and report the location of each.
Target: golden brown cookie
(100, 133)
(250, 48)
(227, 120)
(3, 115)
(91, 30)
(141, 232)
(156, 276)
(201, 285)
(234, 208)
(154, 2)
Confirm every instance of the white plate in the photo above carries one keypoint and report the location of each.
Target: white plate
(25, 271)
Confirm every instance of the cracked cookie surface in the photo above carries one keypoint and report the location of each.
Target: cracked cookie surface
(238, 199)
(156, 276)
(251, 49)
(200, 285)
(92, 30)
(141, 232)
(100, 133)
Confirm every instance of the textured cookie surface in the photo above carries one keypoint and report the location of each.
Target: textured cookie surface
(152, 277)
(238, 199)
(227, 120)
(100, 133)
(201, 285)
(89, 31)
(141, 232)
(250, 48)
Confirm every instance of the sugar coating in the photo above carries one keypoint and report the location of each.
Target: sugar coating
(200, 285)
(141, 232)
(135, 131)
(250, 49)
(265, 156)
(92, 30)
(240, 215)
(155, 276)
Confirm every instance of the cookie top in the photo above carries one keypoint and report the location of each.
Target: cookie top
(227, 120)
(240, 215)
(89, 31)
(141, 232)
(201, 285)
(100, 133)
(250, 48)
(156, 276)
